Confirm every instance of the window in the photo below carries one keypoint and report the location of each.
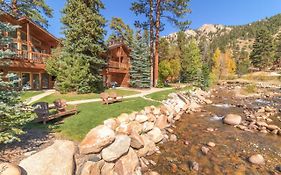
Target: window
(23, 36)
(25, 80)
(45, 81)
(36, 81)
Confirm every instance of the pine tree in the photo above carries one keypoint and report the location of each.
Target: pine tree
(262, 55)
(13, 113)
(191, 63)
(278, 48)
(154, 12)
(31, 9)
(140, 72)
(121, 31)
(84, 32)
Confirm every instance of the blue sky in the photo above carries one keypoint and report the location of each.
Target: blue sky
(227, 12)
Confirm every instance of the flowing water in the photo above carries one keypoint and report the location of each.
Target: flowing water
(233, 146)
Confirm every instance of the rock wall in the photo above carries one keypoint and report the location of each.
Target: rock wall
(120, 145)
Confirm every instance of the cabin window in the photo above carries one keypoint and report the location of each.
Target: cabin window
(36, 81)
(25, 80)
(45, 81)
(23, 36)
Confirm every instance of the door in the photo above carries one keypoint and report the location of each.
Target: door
(45, 81)
(35, 81)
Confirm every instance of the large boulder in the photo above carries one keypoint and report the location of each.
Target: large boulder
(149, 147)
(123, 118)
(127, 164)
(92, 168)
(98, 138)
(111, 123)
(136, 141)
(155, 135)
(118, 148)
(141, 118)
(9, 169)
(108, 169)
(147, 126)
(162, 121)
(232, 119)
(56, 159)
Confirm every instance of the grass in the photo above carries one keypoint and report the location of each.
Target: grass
(73, 96)
(250, 89)
(93, 114)
(162, 95)
(27, 94)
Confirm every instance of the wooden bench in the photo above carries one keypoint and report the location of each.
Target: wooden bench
(42, 111)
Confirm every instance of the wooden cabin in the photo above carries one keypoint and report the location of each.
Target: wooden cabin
(32, 45)
(118, 65)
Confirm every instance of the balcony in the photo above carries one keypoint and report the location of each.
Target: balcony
(115, 64)
(34, 57)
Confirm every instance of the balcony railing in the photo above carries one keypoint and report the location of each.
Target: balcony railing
(115, 64)
(30, 56)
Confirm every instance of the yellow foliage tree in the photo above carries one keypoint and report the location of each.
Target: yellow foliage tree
(215, 73)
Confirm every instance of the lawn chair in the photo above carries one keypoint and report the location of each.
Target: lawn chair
(115, 97)
(42, 111)
(61, 107)
(106, 98)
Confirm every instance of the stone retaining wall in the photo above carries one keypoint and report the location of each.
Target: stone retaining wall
(120, 145)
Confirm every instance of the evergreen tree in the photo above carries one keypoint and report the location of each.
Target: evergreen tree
(121, 31)
(140, 72)
(84, 32)
(278, 48)
(262, 55)
(191, 63)
(13, 113)
(32, 9)
(154, 12)
(164, 49)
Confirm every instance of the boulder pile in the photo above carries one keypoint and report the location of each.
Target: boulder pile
(120, 145)
(260, 121)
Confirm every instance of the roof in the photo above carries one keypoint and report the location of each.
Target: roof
(23, 20)
(116, 45)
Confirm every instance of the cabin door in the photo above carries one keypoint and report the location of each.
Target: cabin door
(35, 81)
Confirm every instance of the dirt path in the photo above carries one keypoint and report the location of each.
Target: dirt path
(232, 146)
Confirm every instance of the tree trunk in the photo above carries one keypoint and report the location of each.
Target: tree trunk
(151, 55)
(156, 51)
(14, 7)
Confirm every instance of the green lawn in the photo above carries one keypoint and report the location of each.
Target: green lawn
(73, 96)
(93, 114)
(27, 94)
(162, 95)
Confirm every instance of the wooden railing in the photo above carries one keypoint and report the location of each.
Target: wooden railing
(115, 64)
(31, 56)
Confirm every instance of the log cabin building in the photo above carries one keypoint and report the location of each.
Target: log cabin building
(118, 65)
(32, 45)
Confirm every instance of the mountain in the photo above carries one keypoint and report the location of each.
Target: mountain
(208, 31)
(237, 38)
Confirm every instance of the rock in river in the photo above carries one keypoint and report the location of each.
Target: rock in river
(257, 159)
(232, 119)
